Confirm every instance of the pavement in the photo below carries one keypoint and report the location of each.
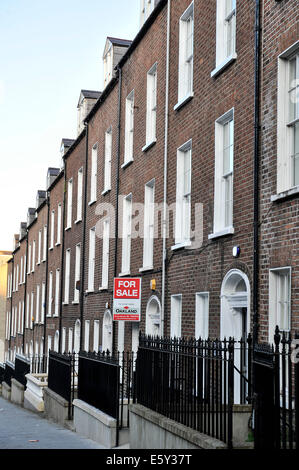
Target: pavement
(23, 429)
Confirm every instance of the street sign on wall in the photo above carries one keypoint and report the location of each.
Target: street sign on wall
(127, 299)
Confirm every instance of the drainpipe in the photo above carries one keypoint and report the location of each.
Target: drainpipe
(256, 169)
(11, 300)
(83, 250)
(164, 222)
(25, 292)
(62, 259)
(47, 276)
(119, 71)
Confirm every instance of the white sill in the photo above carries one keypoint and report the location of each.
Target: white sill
(89, 292)
(149, 145)
(92, 202)
(106, 191)
(57, 244)
(43, 261)
(183, 101)
(178, 246)
(103, 288)
(56, 315)
(148, 268)
(78, 221)
(37, 264)
(124, 165)
(51, 248)
(224, 64)
(285, 194)
(75, 303)
(222, 233)
(124, 274)
(67, 228)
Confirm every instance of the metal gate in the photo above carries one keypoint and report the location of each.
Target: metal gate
(276, 393)
(263, 398)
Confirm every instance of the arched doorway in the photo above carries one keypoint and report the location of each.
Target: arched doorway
(107, 332)
(235, 319)
(153, 317)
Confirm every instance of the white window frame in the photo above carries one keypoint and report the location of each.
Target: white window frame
(43, 305)
(52, 230)
(29, 259)
(151, 107)
(223, 179)
(80, 195)
(67, 276)
(183, 196)
(129, 129)
(176, 316)
(27, 310)
(287, 125)
(59, 224)
(39, 252)
(185, 72)
(45, 243)
(17, 279)
(108, 160)
(77, 272)
(202, 315)
(57, 292)
(126, 235)
(105, 254)
(276, 276)
(225, 18)
(32, 309)
(86, 335)
(63, 340)
(50, 295)
(96, 335)
(91, 259)
(33, 255)
(69, 204)
(37, 313)
(70, 340)
(149, 225)
(93, 174)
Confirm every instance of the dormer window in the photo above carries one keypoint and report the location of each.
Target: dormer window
(114, 50)
(146, 8)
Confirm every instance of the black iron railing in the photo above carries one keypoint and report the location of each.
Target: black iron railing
(276, 393)
(107, 383)
(22, 367)
(194, 382)
(62, 377)
(9, 373)
(2, 372)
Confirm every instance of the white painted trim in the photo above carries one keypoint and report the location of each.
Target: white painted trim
(221, 67)
(222, 233)
(285, 194)
(149, 145)
(183, 101)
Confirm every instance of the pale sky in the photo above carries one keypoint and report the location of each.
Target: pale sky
(49, 51)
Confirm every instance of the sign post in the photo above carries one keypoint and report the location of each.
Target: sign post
(127, 299)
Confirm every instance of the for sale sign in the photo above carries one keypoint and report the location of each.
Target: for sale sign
(127, 299)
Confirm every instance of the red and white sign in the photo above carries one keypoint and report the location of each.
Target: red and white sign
(127, 299)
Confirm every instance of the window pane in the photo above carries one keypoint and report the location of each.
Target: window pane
(296, 154)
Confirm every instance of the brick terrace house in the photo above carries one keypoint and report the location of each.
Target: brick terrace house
(174, 126)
